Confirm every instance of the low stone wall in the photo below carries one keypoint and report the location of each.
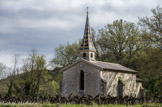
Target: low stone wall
(86, 99)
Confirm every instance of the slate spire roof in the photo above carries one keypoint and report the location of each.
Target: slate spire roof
(87, 43)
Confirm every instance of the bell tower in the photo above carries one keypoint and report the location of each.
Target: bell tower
(87, 49)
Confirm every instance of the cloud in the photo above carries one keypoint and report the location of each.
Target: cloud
(45, 24)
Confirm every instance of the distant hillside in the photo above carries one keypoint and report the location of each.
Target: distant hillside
(49, 84)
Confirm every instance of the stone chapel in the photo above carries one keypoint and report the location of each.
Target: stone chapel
(90, 77)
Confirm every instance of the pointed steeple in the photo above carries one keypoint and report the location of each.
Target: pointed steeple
(87, 26)
(87, 46)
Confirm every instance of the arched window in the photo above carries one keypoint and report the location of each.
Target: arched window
(84, 55)
(91, 55)
(120, 88)
(81, 80)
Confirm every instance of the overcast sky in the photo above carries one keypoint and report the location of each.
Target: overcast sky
(45, 24)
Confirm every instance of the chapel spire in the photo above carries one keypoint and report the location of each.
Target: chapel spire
(87, 49)
(87, 26)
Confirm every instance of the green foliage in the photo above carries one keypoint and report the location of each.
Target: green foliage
(18, 87)
(23, 86)
(66, 54)
(122, 42)
(149, 60)
(50, 88)
(34, 67)
(119, 42)
(4, 87)
(56, 74)
(149, 65)
(27, 87)
(153, 26)
(35, 81)
(2, 70)
(119, 80)
(10, 89)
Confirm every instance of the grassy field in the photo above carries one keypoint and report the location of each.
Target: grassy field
(73, 105)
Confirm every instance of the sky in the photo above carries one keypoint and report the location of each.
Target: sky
(45, 24)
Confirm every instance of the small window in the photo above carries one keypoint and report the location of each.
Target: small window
(84, 55)
(91, 55)
(81, 80)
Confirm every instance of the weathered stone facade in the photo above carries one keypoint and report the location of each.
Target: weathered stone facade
(71, 80)
(111, 78)
(98, 81)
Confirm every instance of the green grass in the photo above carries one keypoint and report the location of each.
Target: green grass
(73, 105)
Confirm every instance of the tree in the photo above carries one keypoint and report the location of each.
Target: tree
(40, 62)
(118, 42)
(35, 80)
(149, 64)
(2, 70)
(10, 89)
(94, 39)
(12, 76)
(66, 54)
(33, 67)
(153, 25)
(148, 60)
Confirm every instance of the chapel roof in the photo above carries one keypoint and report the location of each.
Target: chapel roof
(111, 66)
(103, 66)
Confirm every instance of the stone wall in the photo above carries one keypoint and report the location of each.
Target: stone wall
(71, 80)
(139, 89)
(111, 80)
(98, 82)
